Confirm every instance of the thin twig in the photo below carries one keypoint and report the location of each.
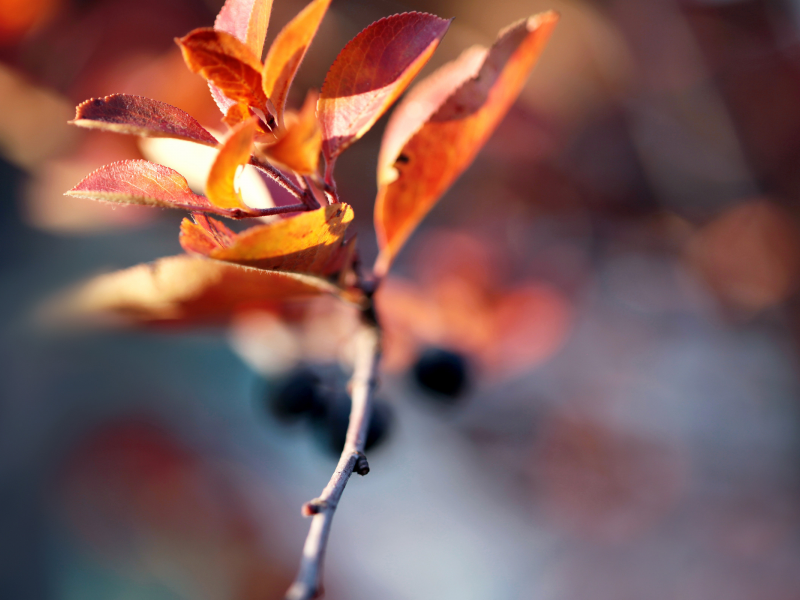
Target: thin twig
(308, 583)
(279, 178)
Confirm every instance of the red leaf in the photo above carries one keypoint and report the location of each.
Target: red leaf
(142, 116)
(140, 182)
(235, 152)
(370, 73)
(227, 63)
(449, 140)
(247, 21)
(287, 52)
(309, 243)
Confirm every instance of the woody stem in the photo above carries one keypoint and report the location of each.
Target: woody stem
(308, 583)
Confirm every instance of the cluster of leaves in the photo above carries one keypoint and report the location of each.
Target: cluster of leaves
(431, 138)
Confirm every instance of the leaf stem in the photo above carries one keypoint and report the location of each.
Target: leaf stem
(278, 210)
(277, 176)
(308, 583)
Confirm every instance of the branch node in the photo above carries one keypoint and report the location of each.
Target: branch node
(362, 466)
(315, 506)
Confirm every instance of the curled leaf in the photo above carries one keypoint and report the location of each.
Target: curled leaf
(137, 115)
(235, 152)
(287, 52)
(227, 63)
(140, 182)
(180, 290)
(369, 74)
(310, 243)
(445, 145)
(246, 20)
(299, 147)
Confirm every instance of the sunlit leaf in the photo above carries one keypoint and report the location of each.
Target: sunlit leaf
(202, 235)
(448, 141)
(227, 63)
(242, 112)
(180, 289)
(420, 103)
(140, 182)
(142, 116)
(235, 152)
(370, 73)
(299, 147)
(309, 243)
(287, 52)
(246, 20)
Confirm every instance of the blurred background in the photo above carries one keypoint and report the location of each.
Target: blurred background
(591, 378)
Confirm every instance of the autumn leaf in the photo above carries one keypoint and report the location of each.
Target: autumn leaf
(227, 63)
(140, 182)
(180, 290)
(309, 243)
(369, 74)
(202, 235)
(445, 145)
(137, 115)
(247, 21)
(420, 103)
(235, 152)
(287, 52)
(242, 112)
(299, 147)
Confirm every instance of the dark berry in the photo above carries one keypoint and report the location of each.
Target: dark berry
(331, 425)
(380, 424)
(443, 372)
(296, 394)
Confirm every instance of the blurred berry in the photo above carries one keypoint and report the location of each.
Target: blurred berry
(380, 424)
(296, 394)
(331, 425)
(443, 372)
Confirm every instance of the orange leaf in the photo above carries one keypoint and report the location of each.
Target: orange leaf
(180, 289)
(204, 235)
(227, 63)
(449, 140)
(310, 243)
(299, 147)
(140, 182)
(370, 73)
(241, 112)
(420, 103)
(138, 115)
(234, 153)
(287, 52)
(246, 20)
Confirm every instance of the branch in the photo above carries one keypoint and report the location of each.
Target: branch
(308, 583)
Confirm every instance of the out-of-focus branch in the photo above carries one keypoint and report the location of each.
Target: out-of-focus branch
(308, 583)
